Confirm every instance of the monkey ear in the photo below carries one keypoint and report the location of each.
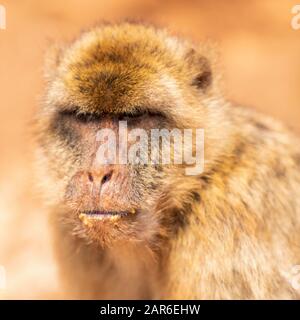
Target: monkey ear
(202, 72)
(52, 60)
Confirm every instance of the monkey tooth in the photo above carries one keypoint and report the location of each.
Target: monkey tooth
(86, 218)
(115, 218)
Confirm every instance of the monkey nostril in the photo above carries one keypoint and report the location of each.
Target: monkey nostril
(90, 176)
(106, 177)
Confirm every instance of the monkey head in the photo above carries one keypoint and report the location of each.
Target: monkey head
(133, 75)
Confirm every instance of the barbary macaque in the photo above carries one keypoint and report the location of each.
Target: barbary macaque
(149, 230)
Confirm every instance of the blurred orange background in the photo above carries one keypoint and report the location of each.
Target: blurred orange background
(259, 55)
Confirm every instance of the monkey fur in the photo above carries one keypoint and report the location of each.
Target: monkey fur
(231, 232)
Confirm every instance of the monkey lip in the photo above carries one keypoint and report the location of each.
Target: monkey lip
(101, 214)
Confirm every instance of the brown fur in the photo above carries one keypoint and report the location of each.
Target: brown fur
(229, 233)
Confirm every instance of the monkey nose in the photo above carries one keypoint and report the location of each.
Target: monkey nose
(101, 178)
(90, 187)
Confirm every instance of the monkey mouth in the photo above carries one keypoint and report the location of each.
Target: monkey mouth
(101, 214)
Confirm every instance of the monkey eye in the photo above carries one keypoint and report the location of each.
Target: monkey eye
(83, 117)
(129, 115)
(87, 117)
(135, 115)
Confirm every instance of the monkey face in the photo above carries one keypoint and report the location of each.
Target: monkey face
(129, 74)
(105, 201)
